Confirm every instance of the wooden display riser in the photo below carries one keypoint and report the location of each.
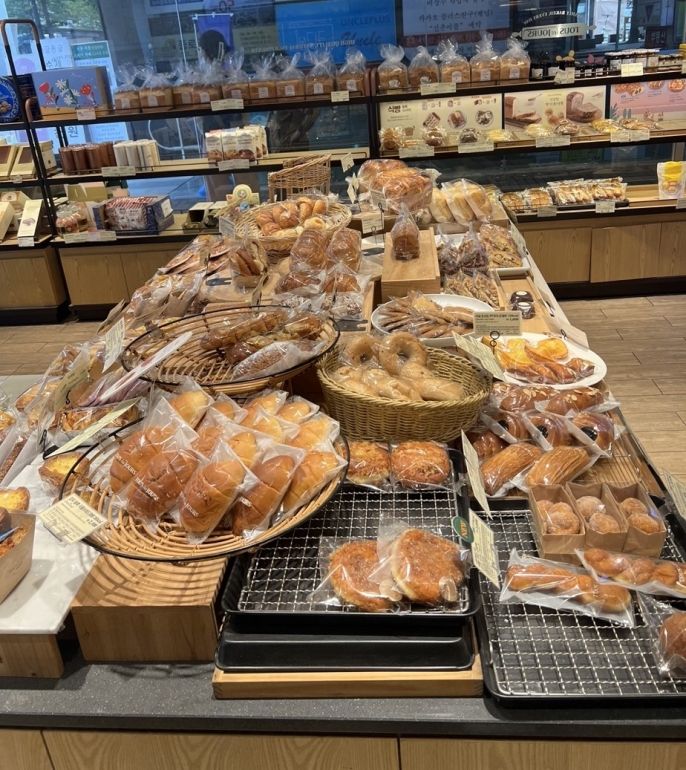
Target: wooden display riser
(351, 684)
(140, 611)
(399, 277)
(30, 655)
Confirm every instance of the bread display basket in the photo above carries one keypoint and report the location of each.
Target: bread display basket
(336, 217)
(300, 175)
(122, 535)
(374, 417)
(209, 368)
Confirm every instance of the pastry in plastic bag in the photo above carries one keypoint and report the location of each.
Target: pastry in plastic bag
(558, 466)
(419, 464)
(485, 64)
(423, 69)
(598, 427)
(392, 73)
(369, 464)
(454, 68)
(346, 246)
(405, 237)
(315, 471)
(667, 626)
(499, 470)
(354, 569)
(515, 62)
(351, 76)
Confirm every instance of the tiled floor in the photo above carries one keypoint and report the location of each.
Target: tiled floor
(643, 341)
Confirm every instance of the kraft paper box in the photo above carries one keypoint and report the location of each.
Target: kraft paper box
(63, 91)
(15, 563)
(555, 547)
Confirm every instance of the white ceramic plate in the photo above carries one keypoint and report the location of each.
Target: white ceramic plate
(444, 300)
(575, 351)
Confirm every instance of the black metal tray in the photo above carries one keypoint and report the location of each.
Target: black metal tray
(530, 652)
(251, 645)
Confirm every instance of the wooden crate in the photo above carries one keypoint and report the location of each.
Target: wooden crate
(399, 277)
(139, 611)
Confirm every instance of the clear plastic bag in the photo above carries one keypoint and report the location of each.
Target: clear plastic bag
(320, 79)
(263, 82)
(544, 583)
(667, 635)
(405, 236)
(454, 68)
(515, 63)
(520, 398)
(297, 409)
(346, 246)
(370, 465)
(275, 358)
(272, 425)
(423, 69)
(319, 430)
(558, 466)
(639, 573)
(291, 80)
(392, 73)
(317, 469)
(421, 465)
(302, 280)
(309, 250)
(270, 400)
(500, 470)
(485, 64)
(190, 402)
(237, 82)
(351, 75)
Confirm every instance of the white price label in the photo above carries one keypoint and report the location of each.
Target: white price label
(484, 552)
(565, 76)
(475, 147)
(371, 221)
(421, 151)
(340, 96)
(483, 353)
(557, 140)
(631, 70)
(118, 171)
(74, 377)
(71, 519)
(235, 164)
(681, 203)
(226, 104)
(114, 343)
(429, 89)
(546, 211)
(378, 199)
(471, 459)
(505, 322)
(627, 135)
(17, 179)
(104, 235)
(352, 192)
(347, 161)
(76, 237)
(604, 207)
(91, 430)
(85, 113)
(354, 181)
(26, 242)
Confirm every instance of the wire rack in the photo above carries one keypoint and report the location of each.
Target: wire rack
(283, 575)
(539, 652)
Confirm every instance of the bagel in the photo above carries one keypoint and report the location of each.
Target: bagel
(399, 349)
(361, 350)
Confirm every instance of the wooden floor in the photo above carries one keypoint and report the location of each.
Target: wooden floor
(643, 341)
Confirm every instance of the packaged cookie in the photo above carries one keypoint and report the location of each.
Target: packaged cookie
(351, 75)
(544, 583)
(640, 573)
(454, 67)
(485, 64)
(423, 69)
(392, 73)
(421, 465)
(515, 63)
(291, 80)
(319, 81)
(667, 626)
(263, 82)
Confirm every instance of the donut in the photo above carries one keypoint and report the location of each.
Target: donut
(361, 350)
(417, 463)
(632, 505)
(645, 523)
(399, 349)
(588, 505)
(603, 523)
(666, 573)
(370, 463)
(426, 567)
(605, 563)
(552, 428)
(561, 520)
(673, 637)
(351, 566)
(637, 573)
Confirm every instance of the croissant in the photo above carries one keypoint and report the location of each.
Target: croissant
(155, 490)
(208, 495)
(560, 465)
(259, 503)
(310, 476)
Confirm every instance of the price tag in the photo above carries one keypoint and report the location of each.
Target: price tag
(681, 203)
(378, 199)
(484, 552)
(17, 179)
(340, 96)
(104, 235)
(118, 171)
(429, 89)
(371, 221)
(677, 491)
(226, 104)
(506, 322)
(114, 343)
(347, 161)
(91, 430)
(483, 353)
(71, 519)
(627, 135)
(421, 151)
(74, 377)
(352, 192)
(355, 182)
(565, 76)
(546, 211)
(557, 140)
(75, 237)
(233, 164)
(26, 242)
(227, 227)
(631, 70)
(462, 149)
(85, 113)
(474, 473)
(116, 310)
(605, 207)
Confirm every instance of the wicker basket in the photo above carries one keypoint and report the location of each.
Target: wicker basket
(385, 419)
(336, 217)
(300, 175)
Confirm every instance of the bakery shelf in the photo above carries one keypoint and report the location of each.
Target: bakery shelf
(20, 183)
(11, 244)
(473, 89)
(195, 111)
(204, 167)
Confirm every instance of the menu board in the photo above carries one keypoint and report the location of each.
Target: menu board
(662, 101)
(451, 113)
(580, 105)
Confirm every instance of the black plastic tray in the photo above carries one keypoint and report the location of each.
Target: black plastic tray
(251, 645)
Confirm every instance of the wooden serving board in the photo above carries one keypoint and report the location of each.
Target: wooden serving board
(351, 684)
(399, 276)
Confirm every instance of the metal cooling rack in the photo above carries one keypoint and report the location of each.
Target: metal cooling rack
(284, 573)
(539, 652)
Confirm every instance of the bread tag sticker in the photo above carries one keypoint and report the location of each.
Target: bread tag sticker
(471, 459)
(114, 343)
(71, 519)
(483, 353)
(484, 552)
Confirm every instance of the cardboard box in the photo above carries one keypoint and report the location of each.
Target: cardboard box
(556, 547)
(23, 165)
(7, 217)
(639, 542)
(16, 563)
(63, 91)
(613, 541)
(16, 198)
(8, 153)
(29, 219)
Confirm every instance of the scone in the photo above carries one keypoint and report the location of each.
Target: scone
(15, 499)
(56, 468)
(370, 463)
(415, 464)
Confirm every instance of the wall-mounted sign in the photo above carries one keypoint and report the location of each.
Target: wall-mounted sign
(550, 31)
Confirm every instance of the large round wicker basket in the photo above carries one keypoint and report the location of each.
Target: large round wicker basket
(385, 419)
(336, 217)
